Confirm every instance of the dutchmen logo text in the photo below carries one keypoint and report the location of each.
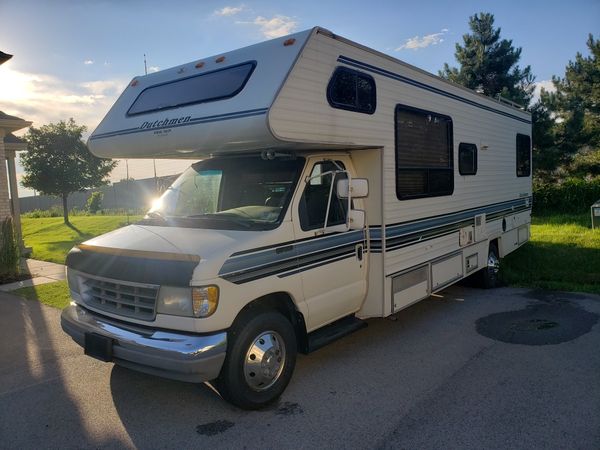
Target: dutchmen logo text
(164, 123)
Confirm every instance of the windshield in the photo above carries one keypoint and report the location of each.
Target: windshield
(229, 193)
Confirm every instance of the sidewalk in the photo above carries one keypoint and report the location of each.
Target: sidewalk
(42, 272)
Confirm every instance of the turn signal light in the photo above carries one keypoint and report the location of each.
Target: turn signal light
(205, 300)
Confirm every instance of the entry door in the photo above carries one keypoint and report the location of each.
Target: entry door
(332, 264)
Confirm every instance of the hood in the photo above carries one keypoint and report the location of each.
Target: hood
(162, 255)
(202, 243)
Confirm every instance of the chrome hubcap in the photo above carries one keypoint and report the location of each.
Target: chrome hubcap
(264, 361)
(493, 264)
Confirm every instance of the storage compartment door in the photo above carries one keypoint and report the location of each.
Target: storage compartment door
(445, 271)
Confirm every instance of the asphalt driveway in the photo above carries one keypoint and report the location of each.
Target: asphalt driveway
(469, 369)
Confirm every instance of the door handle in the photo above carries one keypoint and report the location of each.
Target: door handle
(359, 252)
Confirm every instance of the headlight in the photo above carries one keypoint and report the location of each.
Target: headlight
(188, 302)
(73, 280)
(205, 300)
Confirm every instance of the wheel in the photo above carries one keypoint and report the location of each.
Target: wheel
(488, 276)
(261, 355)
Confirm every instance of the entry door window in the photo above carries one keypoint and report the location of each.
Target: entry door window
(313, 204)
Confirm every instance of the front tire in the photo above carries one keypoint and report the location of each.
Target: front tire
(261, 356)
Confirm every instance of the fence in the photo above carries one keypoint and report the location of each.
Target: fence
(126, 194)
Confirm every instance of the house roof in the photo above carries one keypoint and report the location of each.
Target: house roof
(4, 57)
(4, 116)
(12, 139)
(10, 123)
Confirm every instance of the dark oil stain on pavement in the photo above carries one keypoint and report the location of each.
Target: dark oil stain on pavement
(551, 319)
(289, 409)
(214, 428)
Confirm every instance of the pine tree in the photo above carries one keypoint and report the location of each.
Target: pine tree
(574, 112)
(488, 64)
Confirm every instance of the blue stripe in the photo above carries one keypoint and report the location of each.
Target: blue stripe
(252, 262)
(421, 225)
(311, 253)
(194, 121)
(398, 77)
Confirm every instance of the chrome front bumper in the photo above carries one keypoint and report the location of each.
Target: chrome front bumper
(179, 356)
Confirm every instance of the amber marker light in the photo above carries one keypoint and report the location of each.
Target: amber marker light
(200, 65)
(289, 42)
(134, 83)
(220, 59)
(205, 300)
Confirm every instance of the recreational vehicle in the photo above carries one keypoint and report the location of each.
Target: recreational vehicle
(330, 184)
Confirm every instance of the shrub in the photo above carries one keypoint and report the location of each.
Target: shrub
(54, 211)
(573, 196)
(9, 249)
(94, 202)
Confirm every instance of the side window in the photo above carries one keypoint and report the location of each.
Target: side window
(352, 90)
(467, 159)
(523, 155)
(313, 203)
(424, 161)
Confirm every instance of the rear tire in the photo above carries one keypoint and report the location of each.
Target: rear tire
(261, 356)
(488, 276)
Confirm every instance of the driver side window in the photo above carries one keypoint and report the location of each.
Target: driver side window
(313, 203)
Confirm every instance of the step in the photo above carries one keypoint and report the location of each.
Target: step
(333, 332)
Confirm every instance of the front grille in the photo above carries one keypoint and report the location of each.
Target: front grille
(124, 298)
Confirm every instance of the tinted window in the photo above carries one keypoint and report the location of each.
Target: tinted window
(467, 159)
(313, 204)
(207, 87)
(424, 165)
(352, 90)
(523, 155)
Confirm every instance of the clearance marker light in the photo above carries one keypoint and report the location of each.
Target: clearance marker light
(220, 59)
(200, 65)
(134, 83)
(288, 42)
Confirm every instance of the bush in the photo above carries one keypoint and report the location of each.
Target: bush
(94, 202)
(54, 211)
(9, 249)
(573, 196)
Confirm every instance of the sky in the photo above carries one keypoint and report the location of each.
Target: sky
(74, 58)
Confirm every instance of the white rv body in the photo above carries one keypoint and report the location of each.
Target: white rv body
(408, 248)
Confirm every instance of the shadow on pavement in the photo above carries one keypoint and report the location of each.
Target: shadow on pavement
(36, 406)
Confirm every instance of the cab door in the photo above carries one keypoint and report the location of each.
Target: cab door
(332, 259)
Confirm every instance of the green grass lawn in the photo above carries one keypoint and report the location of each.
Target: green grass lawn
(51, 294)
(51, 239)
(563, 254)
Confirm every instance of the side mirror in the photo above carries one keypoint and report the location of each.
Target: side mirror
(356, 219)
(356, 188)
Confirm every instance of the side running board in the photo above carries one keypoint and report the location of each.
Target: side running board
(333, 332)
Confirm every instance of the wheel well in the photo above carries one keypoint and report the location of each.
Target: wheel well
(495, 242)
(281, 302)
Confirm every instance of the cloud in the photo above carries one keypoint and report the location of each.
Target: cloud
(229, 10)
(276, 26)
(153, 69)
(43, 98)
(418, 42)
(88, 62)
(546, 84)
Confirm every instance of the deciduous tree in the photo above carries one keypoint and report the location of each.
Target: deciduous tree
(58, 162)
